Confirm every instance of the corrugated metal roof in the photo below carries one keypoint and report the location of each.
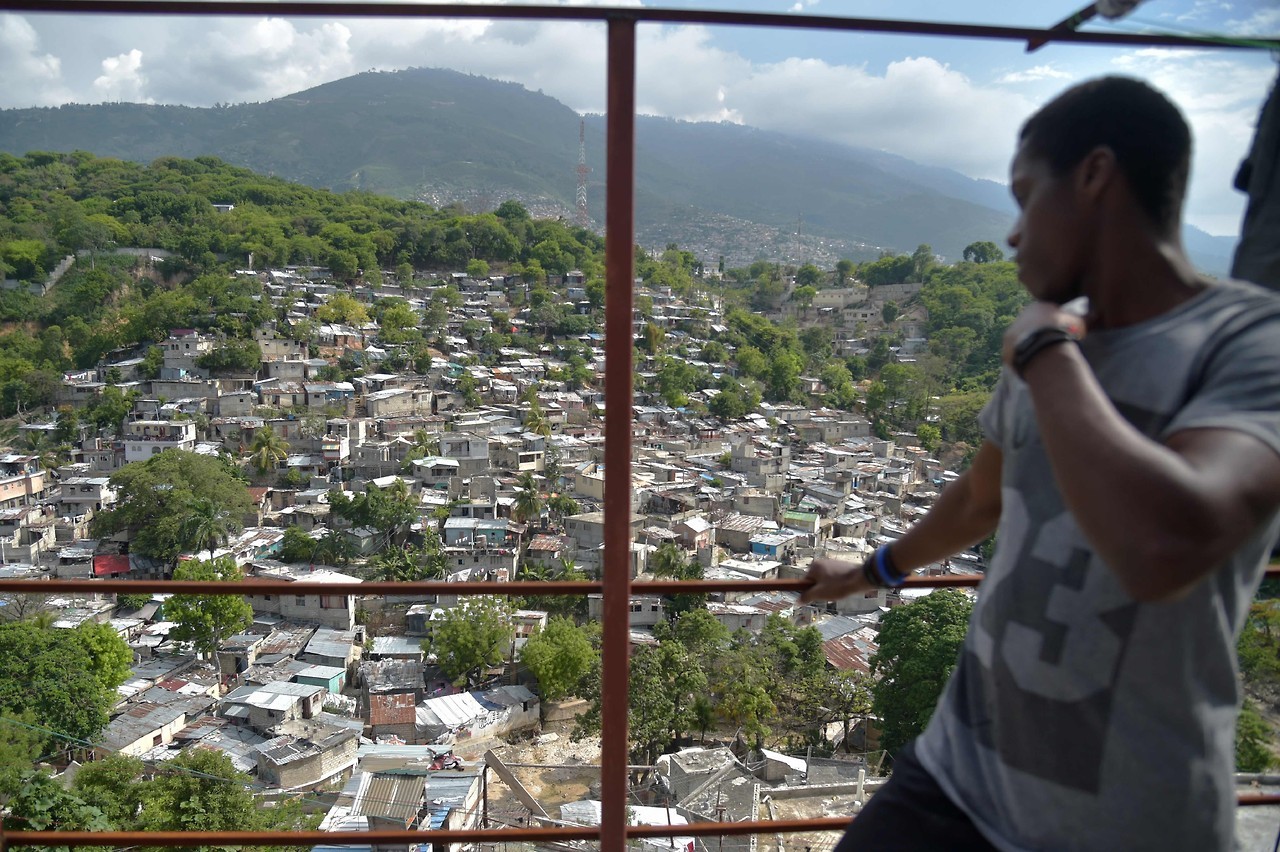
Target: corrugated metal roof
(454, 710)
(393, 797)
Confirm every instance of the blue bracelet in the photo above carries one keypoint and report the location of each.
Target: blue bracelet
(888, 576)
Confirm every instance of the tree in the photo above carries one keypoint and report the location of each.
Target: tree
(158, 495)
(49, 674)
(470, 638)
(342, 308)
(113, 785)
(844, 268)
(561, 506)
(389, 510)
(664, 683)
(528, 503)
(267, 449)
(477, 268)
(918, 646)
(921, 262)
(43, 804)
(333, 548)
(20, 746)
(559, 656)
(1253, 739)
(535, 419)
(206, 525)
(205, 620)
(808, 276)
(983, 252)
(929, 436)
(298, 545)
(201, 790)
(233, 356)
(111, 658)
(408, 563)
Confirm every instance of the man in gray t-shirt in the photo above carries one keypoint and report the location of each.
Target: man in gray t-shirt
(1132, 474)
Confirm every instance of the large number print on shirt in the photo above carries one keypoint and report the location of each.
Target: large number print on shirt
(1036, 680)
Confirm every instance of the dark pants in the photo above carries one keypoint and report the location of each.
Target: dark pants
(910, 813)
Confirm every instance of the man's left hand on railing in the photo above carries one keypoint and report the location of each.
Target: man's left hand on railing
(834, 579)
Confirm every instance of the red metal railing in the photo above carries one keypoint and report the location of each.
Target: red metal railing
(619, 262)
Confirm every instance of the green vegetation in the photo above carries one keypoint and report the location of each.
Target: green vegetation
(775, 687)
(62, 680)
(199, 790)
(560, 656)
(471, 637)
(918, 647)
(1258, 651)
(54, 204)
(206, 620)
(161, 498)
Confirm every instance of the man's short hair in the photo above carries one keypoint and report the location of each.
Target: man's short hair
(1147, 132)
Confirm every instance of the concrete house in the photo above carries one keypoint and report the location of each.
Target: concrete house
(151, 722)
(146, 438)
(475, 715)
(264, 707)
(336, 611)
(300, 761)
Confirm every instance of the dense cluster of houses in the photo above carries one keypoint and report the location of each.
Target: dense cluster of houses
(313, 696)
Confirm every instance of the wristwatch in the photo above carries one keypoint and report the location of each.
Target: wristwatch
(1033, 342)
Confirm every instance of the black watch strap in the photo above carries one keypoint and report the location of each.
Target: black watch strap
(1035, 342)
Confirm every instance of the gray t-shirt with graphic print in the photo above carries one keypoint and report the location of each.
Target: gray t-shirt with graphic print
(1078, 718)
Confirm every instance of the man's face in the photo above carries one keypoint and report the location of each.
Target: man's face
(1047, 232)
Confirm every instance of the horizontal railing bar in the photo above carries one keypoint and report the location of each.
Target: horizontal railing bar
(709, 17)
(493, 835)
(470, 587)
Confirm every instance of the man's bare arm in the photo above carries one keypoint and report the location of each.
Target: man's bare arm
(966, 512)
(1162, 516)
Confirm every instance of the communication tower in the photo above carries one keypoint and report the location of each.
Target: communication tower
(582, 220)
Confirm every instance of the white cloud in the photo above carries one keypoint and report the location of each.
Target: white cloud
(30, 77)
(1034, 75)
(122, 79)
(916, 106)
(1219, 96)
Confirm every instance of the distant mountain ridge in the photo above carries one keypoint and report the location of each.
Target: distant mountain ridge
(444, 136)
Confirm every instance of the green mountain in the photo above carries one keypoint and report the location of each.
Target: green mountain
(442, 137)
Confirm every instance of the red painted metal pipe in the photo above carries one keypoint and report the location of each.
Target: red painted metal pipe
(515, 587)
(888, 26)
(619, 261)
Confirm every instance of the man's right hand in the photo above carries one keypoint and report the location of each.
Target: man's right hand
(834, 579)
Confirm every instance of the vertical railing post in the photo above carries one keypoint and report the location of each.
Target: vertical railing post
(619, 259)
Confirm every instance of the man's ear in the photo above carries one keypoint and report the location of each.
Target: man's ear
(1096, 171)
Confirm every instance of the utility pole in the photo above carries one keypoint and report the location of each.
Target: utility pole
(582, 220)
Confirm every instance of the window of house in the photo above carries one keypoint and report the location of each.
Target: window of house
(636, 608)
(300, 600)
(266, 597)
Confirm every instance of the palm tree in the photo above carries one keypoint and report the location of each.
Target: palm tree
(333, 548)
(38, 444)
(423, 444)
(206, 525)
(535, 419)
(267, 449)
(528, 503)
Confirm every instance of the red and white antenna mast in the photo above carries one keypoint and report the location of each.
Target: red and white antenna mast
(582, 220)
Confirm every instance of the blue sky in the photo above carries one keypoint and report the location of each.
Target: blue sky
(945, 102)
